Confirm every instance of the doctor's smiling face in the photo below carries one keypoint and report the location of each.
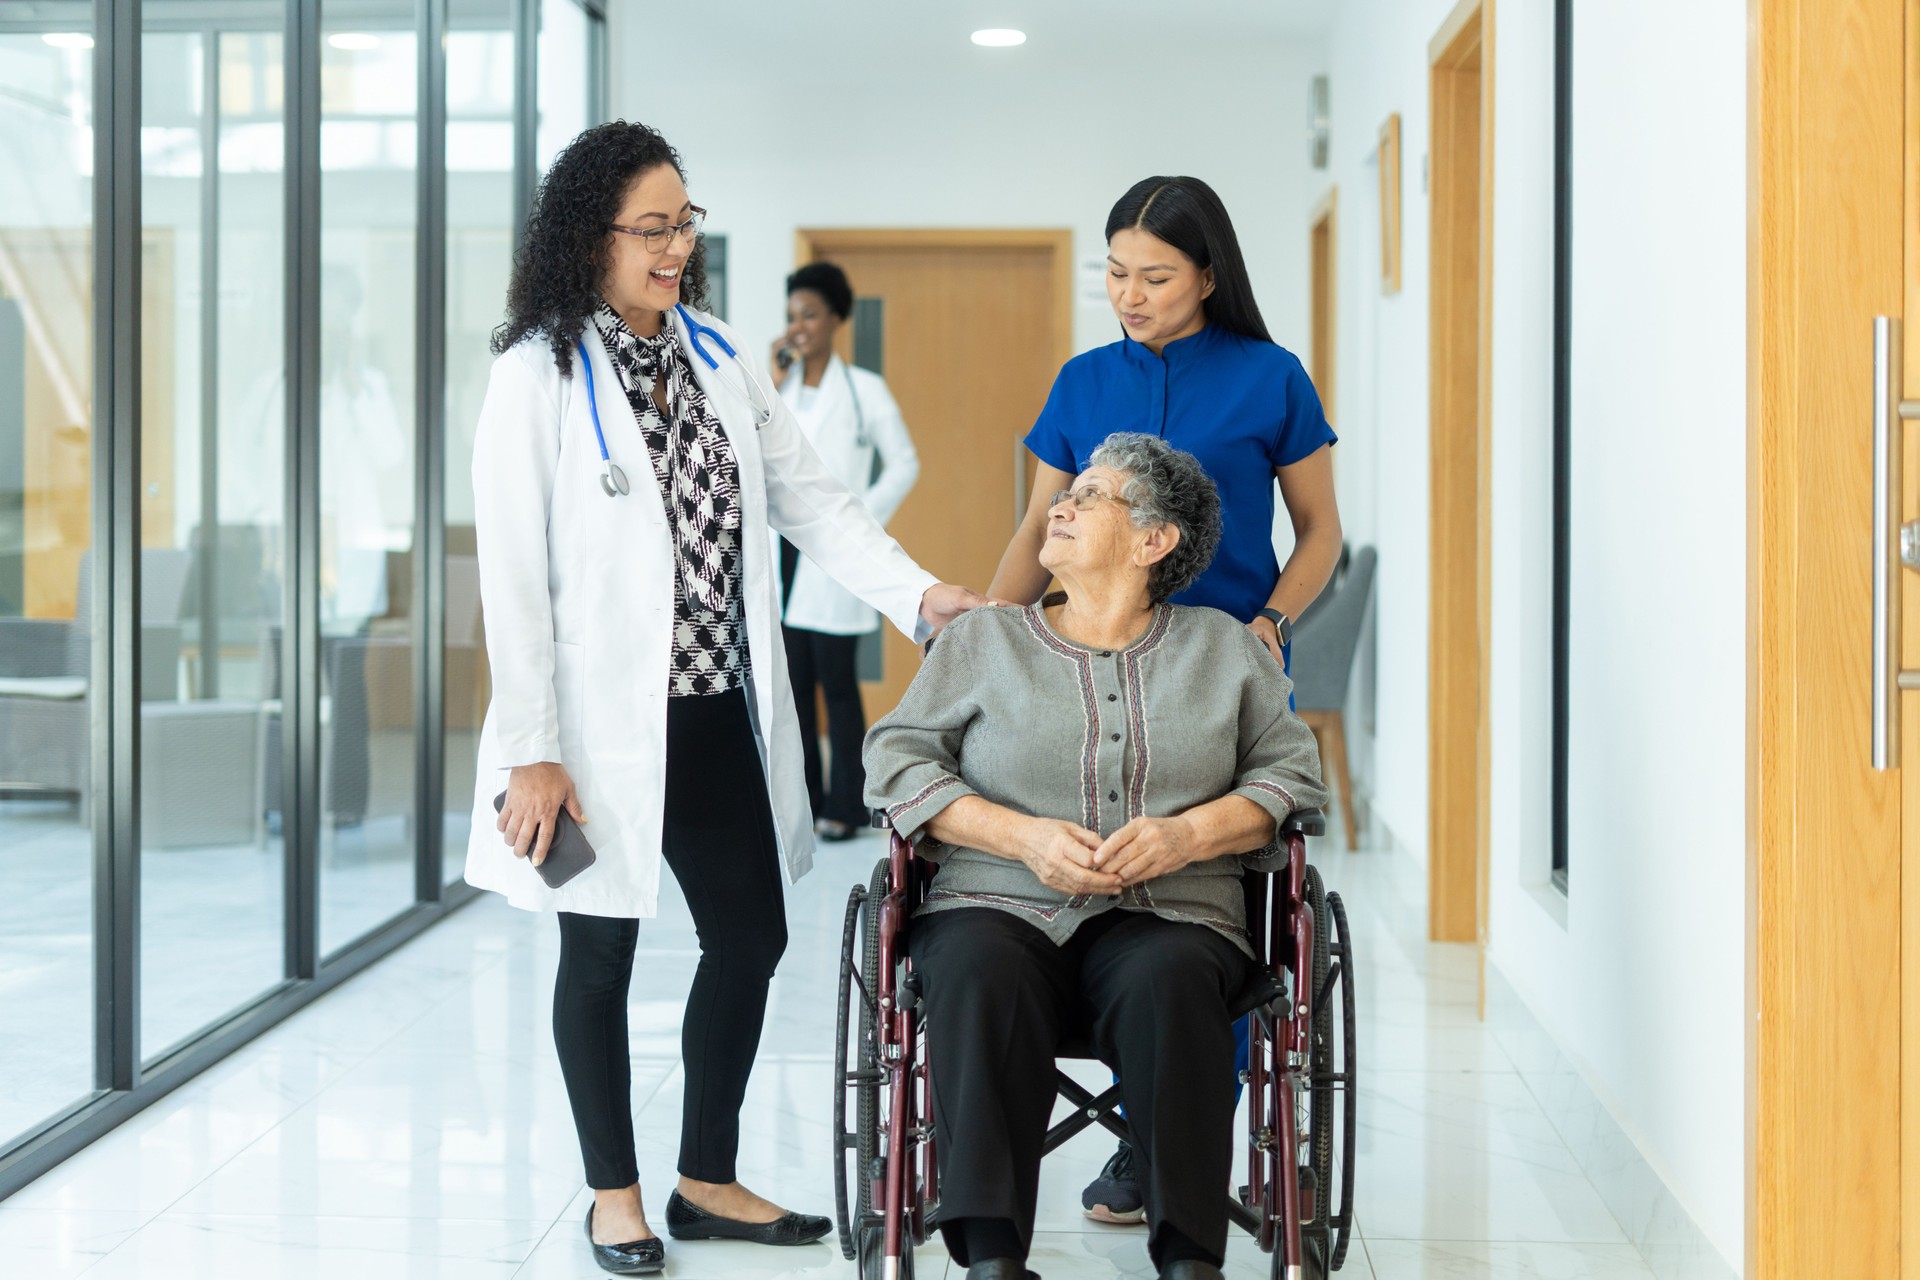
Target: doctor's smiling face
(642, 283)
(1156, 290)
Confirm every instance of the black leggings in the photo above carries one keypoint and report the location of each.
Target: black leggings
(719, 841)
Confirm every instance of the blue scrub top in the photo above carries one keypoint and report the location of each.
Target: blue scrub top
(1239, 405)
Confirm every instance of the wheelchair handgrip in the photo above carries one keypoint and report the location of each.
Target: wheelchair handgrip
(1306, 822)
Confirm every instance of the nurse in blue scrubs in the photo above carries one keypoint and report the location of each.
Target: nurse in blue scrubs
(1197, 368)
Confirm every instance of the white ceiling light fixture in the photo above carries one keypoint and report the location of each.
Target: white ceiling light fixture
(999, 37)
(354, 41)
(68, 39)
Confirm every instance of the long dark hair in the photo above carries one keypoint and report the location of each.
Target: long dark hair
(567, 246)
(1187, 214)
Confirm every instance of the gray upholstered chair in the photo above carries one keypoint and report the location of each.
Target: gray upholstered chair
(1324, 645)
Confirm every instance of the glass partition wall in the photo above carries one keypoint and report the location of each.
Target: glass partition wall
(250, 260)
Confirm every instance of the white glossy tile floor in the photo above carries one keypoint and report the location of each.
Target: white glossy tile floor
(413, 1124)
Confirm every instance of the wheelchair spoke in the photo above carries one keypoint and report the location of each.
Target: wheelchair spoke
(873, 1006)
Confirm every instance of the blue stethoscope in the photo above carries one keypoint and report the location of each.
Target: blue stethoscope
(613, 481)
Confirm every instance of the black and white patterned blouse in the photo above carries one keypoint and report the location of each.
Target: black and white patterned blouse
(699, 479)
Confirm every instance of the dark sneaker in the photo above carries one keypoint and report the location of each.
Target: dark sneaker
(1115, 1195)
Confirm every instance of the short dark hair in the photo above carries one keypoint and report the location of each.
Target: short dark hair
(827, 280)
(1187, 214)
(568, 243)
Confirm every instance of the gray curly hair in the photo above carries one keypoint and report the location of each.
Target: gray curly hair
(1165, 485)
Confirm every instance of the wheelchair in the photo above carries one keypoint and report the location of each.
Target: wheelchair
(1300, 1079)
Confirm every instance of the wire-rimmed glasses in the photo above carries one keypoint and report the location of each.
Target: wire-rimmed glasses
(1086, 497)
(658, 239)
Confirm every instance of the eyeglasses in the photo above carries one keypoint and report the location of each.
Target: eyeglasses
(659, 239)
(1086, 497)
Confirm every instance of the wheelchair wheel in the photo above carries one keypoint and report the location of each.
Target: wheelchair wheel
(868, 1112)
(1317, 1122)
(1346, 1080)
(854, 1069)
(872, 1253)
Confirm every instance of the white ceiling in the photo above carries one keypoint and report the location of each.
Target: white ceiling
(847, 37)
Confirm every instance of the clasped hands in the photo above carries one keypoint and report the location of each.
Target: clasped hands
(1074, 860)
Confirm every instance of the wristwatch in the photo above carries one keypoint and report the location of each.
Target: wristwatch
(1281, 623)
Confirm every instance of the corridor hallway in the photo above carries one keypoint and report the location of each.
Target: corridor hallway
(413, 1124)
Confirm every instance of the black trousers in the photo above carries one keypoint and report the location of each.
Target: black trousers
(719, 842)
(1153, 997)
(816, 658)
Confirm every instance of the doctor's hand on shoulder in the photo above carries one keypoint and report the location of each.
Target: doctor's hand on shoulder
(946, 601)
(535, 793)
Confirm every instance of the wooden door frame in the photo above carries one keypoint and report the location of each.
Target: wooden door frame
(1831, 130)
(1459, 668)
(811, 244)
(1325, 293)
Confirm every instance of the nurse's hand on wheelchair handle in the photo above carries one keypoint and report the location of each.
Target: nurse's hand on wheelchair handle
(1061, 855)
(535, 793)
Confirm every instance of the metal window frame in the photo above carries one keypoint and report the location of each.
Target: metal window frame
(1562, 424)
(123, 1085)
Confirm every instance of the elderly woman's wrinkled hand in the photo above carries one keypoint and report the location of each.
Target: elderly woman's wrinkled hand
(1061, 855)
(1148, 848)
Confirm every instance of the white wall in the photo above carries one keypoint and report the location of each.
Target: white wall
(1637, 974)
(914, 133)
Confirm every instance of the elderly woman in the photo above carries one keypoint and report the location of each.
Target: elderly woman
(1090, 773)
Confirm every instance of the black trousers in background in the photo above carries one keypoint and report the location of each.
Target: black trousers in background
(1154, 995)
(719, 842)
(816, 658)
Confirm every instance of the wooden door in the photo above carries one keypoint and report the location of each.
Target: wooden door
(1833, 883)
(1460, 463)
(976, 325)
(1323, 258)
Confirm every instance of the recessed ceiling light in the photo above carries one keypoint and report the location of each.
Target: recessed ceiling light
(68, 39)
(999, 37)
(354, 41)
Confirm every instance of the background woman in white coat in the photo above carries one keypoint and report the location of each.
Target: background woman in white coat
(851, 419)
(627, 469)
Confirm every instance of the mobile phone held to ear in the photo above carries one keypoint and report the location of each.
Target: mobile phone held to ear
(567, 856)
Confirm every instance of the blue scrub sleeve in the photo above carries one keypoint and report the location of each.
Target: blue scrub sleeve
(1050, 439)
(1304, 429)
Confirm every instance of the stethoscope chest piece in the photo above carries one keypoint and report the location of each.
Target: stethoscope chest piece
(613, 481)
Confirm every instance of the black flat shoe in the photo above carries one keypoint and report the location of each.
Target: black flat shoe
(835, 832)
(635, 1258)
(1190, 1269)
(999, 1269)
(688, 1221)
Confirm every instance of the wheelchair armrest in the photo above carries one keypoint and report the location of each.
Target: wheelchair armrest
(1306, 822)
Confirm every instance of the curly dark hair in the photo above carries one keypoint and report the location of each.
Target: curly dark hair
(567, 247)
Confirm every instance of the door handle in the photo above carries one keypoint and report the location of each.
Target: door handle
(1894, 543)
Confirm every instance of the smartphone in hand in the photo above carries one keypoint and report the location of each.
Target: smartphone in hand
(567, 856)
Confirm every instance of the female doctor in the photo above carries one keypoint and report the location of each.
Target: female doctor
(851, 420)
(627, 468)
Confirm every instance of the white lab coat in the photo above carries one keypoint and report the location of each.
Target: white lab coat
(578, 592)
(847, 435)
